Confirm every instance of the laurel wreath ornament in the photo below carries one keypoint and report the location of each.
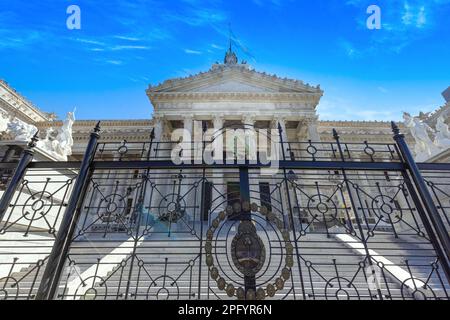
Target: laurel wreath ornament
(262, 292)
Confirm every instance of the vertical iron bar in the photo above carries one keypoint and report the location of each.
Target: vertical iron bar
(354, 207)
(138, 212)
(244, 190)
(56, 260)
(25, 159)
(202, 208)
(297, 251)
(442, 248)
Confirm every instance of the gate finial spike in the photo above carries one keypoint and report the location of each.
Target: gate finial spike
(33, 140)
(335, 134)
(97, 127)
(152, 134)
(395, 128)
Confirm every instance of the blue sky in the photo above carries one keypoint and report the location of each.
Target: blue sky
(123, 45)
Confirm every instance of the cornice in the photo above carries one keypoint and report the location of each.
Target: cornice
(358, 124)
(103, 124)
(243, 69)
(20, 105)
(190, 97)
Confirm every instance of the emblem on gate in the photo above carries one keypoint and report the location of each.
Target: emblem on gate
(248, 251)
(248, 254)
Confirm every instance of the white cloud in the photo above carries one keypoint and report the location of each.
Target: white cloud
(189, 51)
(403, 22)
(118, 48)
(349, 49)
(414, 16)
(215, 46)
(114, 62)
(198, 17)
(90, 41)
(127, 38)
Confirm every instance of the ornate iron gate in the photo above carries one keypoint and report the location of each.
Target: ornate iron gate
(337, 221)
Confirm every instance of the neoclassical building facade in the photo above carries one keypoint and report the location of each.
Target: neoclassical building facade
(229, 95)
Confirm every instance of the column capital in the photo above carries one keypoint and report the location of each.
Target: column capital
(157, 118)
(279, 119)
(312, 119)
(248, 119)
(188, 117)
(218, 120)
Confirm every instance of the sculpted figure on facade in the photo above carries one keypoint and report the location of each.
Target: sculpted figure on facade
(59, 142)
(65, 138)
(21, 131)
(424, 148)
(442, 140)
(4, 120)
(48, 143)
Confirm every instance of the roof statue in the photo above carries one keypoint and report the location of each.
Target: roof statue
(424, 147)
(20, 130)
(442, 139)
(59, 142)
(230, 57)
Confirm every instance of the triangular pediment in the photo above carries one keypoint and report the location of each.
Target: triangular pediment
(230, 85)
(237, 79)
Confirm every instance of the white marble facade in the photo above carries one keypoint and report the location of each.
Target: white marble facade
(229, 93)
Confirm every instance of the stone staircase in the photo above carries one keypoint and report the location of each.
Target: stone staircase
(174, 268)
(160, 262)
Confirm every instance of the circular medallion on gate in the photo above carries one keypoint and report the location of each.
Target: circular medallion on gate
(40, 204)
(321, 206)
(386, 209)
(9, 288)
(248, 251)
(172, 208)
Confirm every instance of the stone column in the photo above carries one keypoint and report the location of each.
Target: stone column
(251, 154)
(9, 154)
(251, 137)
(186, 194)
(313, 133)
(282, 122)
(219, 190)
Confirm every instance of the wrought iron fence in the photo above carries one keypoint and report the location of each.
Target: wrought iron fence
(336, 221)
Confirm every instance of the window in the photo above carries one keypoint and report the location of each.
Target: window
(264, 194)
(233, 194)
(207, 200)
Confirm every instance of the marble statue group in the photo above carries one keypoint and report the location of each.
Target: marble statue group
(429, 141)
(57, 142)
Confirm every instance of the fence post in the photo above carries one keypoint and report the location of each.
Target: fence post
(55, 264)
(19, 172)
(443, 249)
